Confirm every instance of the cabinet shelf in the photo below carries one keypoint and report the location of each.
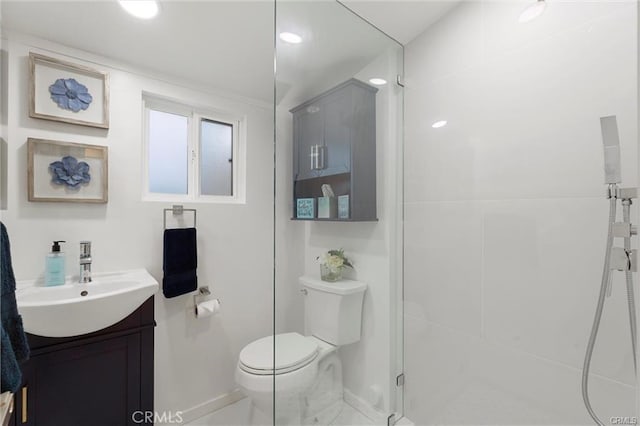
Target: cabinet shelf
(321, 219)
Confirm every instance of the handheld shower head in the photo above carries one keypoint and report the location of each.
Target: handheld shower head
(611, 142)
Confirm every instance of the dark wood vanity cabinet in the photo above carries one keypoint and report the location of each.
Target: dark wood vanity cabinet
(101, 378)
(334, 142)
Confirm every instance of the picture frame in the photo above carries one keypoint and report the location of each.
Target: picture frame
(306, 208)
(67, 92)
(343, 207)
(67, 172)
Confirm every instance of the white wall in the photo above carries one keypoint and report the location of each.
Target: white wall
(195, 359)
(505, 212)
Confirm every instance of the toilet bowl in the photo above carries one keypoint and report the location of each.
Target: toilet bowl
(306, 373)
(307, 376)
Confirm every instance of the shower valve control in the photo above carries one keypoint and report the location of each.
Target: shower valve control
(626, 193)
(624, 230)
(624, 260)
(622, 193)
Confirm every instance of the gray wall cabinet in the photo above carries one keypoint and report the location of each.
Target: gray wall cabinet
(334, 142)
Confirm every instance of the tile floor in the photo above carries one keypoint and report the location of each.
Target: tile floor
(237, 414)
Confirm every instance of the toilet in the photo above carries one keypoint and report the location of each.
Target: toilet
(307, 372)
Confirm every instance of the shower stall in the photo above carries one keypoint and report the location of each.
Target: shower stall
(506, 217)
(485, 265)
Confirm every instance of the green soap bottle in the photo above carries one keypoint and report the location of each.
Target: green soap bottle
(54, 266)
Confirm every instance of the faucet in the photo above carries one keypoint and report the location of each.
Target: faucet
(85, 262)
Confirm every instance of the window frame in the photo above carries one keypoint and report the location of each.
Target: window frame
(195, 115)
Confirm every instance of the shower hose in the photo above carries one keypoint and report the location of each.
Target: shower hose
(605, 285)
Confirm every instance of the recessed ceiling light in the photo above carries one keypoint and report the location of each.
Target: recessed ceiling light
(143, 9)
(290, 38)
(378, 81)
(532, 12)
(439, 124)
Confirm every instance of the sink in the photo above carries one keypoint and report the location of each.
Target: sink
(73, 309)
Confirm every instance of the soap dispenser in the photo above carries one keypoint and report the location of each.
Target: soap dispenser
(54, 267)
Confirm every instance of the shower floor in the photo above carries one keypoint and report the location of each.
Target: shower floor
(484, 404)
(237, 414)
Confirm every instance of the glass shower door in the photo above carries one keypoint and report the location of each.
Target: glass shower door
(338, 148)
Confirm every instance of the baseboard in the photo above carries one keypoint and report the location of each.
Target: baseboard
(364, 407)
(211, 405)
(405, 422)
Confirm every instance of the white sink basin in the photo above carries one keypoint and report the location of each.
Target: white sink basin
(73, 309)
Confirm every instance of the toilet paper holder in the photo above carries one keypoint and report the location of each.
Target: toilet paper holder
(203, 293)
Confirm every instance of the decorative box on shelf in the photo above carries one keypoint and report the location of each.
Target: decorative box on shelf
(306, 208)
(343, 207)
(327, 208)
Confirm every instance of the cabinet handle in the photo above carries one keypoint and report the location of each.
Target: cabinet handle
(24, 404)
(317, 157)
(321, 158)
(313, 155)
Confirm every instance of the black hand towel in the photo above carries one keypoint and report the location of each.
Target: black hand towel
(180, 260)
(14, 346)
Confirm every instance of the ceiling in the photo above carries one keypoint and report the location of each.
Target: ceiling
(401, 19)
(228, 45)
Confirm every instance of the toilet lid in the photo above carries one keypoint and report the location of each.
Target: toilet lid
(292, 351)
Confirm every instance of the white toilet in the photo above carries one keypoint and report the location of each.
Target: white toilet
(307, 372)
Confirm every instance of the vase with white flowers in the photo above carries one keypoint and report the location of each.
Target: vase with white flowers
(331, 265)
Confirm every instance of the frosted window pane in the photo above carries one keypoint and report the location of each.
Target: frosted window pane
(216, 158)
(168, 153)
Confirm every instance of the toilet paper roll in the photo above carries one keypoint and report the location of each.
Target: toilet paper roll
(207, 308)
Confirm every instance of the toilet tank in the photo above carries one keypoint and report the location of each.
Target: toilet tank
(333, 311)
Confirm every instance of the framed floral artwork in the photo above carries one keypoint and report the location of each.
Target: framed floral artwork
(62, 91)
(67, 172)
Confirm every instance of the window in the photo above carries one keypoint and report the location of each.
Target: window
(168, 144)
(216, 158)
(191, 154)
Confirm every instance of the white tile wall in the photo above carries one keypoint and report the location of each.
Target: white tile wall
(443, 234)
(505, 218)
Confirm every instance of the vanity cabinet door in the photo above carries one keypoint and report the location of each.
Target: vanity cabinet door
(91, 384)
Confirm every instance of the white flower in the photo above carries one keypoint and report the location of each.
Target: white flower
(334, 260)
(322, 259)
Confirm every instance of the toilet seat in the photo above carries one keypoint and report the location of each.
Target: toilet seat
(293, 352)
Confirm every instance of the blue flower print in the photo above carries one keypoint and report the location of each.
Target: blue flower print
(70, 95)
(70, 172)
